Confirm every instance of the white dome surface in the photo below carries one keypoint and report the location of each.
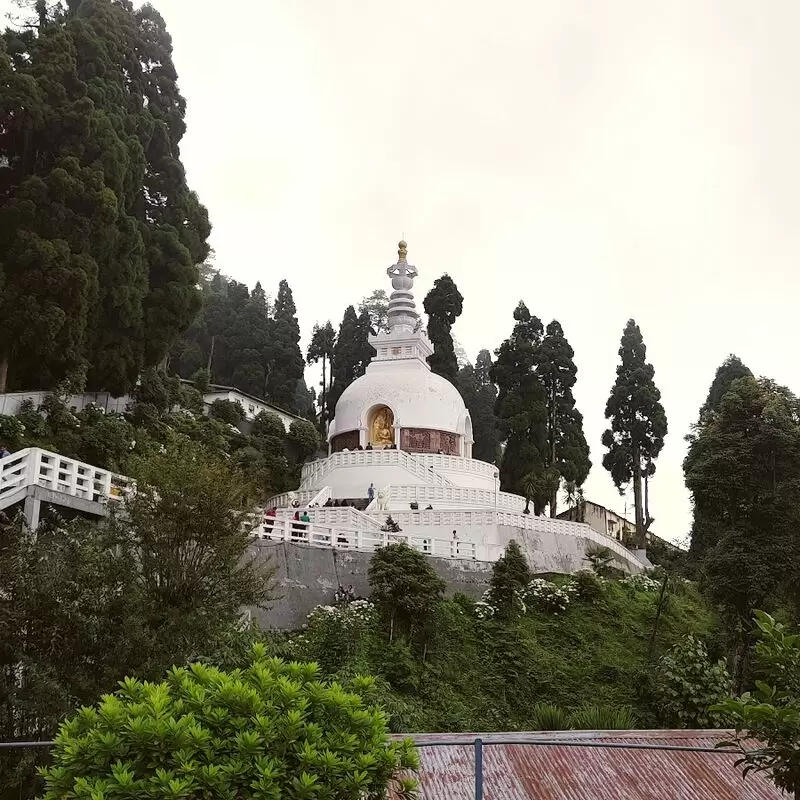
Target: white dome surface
(417, 397)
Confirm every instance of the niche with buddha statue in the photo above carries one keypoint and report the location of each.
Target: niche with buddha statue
(381, 427)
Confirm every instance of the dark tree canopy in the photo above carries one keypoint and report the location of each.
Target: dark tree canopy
(730, 370)
(520, 407)
(351, 354)
(286, 360)
(743, 471)
(99, 232)
(320, 348)
(376, 306)
(638, 423)
(480, 394)
(443, 304)
(567, 450)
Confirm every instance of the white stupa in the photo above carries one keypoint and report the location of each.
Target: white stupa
(400, 445)
(399, 403)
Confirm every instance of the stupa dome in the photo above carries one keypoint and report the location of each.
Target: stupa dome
(399, 402)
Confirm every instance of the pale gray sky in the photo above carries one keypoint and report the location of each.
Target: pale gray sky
(600, 160)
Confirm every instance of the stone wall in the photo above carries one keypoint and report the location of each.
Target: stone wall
(308, 577)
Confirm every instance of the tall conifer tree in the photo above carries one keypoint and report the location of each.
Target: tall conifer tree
(348, 354)
(286, 364)
(520, 407)
(443, 305)
(567, 450)
(480, 395)
(320, 348)
(638, 425)
(730, 370)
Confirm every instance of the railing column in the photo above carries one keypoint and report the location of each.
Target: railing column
(479, 769)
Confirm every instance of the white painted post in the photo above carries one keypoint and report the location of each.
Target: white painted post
(359, 540)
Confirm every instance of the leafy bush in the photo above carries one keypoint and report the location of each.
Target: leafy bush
(229, 411)
(12, 431)
(600, 718)
(303, 440)
(405, 587)
(272, 730)
(601, 559)
(546, 717)
(771, 714)
(687, 685)
(510, 575)
(547, 596)
(588, 586)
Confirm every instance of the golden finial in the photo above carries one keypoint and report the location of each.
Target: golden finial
(402, 250)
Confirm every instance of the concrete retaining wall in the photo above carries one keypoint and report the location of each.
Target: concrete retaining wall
(308, 577)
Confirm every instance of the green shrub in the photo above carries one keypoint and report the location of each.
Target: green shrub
(273, 730)
(687, 684)
(12, 431)
(600, 718)
(546, 717)
(229, 411)
(588, 587)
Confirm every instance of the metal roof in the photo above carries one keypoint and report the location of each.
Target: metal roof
(568, 772)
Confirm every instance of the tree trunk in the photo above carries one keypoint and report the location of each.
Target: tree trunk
(3, 371)
(210, 363)
(641, 541)
(322, 414)
(554, 495)
(648, 520)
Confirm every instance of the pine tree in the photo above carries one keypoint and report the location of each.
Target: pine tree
(443, 304)
(520, 406)
(286, 364)
(730, 370)
(638, 425)
(480, 395)
(567, 451)
(320, 348)
(351, 355)
(510, 576)
(248, 344)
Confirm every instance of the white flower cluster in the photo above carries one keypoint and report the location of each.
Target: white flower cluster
(642, 583)
(548, 596)
(484, 610)
(349, 615)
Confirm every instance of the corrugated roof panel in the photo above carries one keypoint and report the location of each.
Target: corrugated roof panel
(559, 772)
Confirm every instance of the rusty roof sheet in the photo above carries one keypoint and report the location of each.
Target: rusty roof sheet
(561, 772)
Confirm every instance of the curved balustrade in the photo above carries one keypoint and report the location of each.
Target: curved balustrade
(340, 538)
(457, 464)
(314, 472)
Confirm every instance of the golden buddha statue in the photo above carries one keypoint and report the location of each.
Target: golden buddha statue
(382, 429)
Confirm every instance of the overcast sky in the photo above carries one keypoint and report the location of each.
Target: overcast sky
(600, 160)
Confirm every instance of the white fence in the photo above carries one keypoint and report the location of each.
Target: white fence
(36, 467)
(313, 473)
(340, 538)
(457, 464)
(452, 495)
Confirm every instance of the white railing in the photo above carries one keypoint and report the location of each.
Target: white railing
(451, 495)
(314, 472)
(340, 538)
(321, 497)
(454, 519)
(344, 516)
(457, 464)
(285, 500)
(36, 467)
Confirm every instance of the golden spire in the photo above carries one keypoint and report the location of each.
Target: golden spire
(402, 250)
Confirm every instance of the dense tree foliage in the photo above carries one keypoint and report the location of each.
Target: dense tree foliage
(376, 306)
(320, 348)
(520, 407)
(480, 395)
(85, 604)
(567, 453)
(510, 577)
(730, 370)
(743, 471)
(286, 363)
(351, 353)
(443, 304)
(638, 425)
(100, 235)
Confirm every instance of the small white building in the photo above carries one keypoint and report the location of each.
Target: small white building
(252, 405)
